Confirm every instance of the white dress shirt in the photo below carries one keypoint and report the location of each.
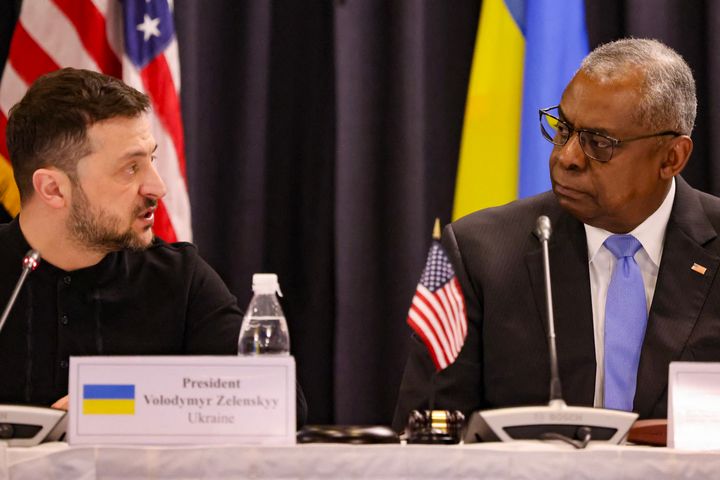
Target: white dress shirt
(651, 234)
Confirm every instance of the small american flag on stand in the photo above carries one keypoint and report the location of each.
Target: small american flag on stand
(437, 313)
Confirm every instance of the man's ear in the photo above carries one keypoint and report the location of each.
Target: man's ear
(676, 157)
(52, 187)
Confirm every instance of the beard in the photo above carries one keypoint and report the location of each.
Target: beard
(102, 231)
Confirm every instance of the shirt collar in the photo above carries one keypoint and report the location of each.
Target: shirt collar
(650, 233)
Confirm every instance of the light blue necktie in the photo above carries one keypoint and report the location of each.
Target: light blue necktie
(625, 321)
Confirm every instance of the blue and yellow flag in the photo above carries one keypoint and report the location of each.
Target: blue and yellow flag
(108, 399)
(526, 51)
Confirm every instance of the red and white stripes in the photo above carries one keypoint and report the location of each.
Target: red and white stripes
(439, 318)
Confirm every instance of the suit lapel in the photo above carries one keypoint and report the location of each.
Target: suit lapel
(573, 306)
(679, 295)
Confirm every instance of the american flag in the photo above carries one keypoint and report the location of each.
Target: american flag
(437, 313)
(130, 39)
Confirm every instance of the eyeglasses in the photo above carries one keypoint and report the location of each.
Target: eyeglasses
(595, 145)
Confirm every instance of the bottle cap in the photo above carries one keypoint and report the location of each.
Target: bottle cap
(265, 283)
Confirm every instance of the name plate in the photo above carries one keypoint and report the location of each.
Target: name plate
(182, 400)
(694, 406)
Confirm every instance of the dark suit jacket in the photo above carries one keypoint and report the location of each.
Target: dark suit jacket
(504, 361)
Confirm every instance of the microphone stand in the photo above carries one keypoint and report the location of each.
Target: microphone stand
(30, 263)
(557, 420)
(21, 425)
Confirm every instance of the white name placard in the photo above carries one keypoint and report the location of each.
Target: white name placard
(694, 406)
(182, 400)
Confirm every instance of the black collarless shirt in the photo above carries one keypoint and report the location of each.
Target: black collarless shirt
(165, 300)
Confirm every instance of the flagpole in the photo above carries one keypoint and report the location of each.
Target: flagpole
(436, 229)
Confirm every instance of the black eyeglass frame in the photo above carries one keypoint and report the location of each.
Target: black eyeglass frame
(614, 142)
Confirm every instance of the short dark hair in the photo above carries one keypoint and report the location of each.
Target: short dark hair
(48, 127)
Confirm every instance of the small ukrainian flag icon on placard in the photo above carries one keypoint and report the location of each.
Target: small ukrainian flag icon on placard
(108, 399)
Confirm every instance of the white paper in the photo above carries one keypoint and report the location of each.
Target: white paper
(694, 406)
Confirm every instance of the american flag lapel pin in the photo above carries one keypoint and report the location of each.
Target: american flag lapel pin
(697, 268)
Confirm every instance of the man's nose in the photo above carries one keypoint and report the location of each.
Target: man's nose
(571, 155)
(153, 186)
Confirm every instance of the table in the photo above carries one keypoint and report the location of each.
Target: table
(519, 460)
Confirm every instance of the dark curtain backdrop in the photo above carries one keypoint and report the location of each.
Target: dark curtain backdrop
(322, 140)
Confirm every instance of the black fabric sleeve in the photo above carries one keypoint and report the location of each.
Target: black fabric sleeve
(213, 316)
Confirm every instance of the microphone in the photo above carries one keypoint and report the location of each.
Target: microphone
(557, 420)
(30, 263)
(543, 229)
(21, 425)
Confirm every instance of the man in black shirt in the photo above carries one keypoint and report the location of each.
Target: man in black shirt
(82, 152)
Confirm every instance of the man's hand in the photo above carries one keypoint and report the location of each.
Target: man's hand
(62, 404)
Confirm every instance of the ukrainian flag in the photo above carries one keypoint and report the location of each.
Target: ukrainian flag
(108, 399)
(526, 51)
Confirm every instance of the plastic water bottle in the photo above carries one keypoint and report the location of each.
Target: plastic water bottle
(264, 328)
